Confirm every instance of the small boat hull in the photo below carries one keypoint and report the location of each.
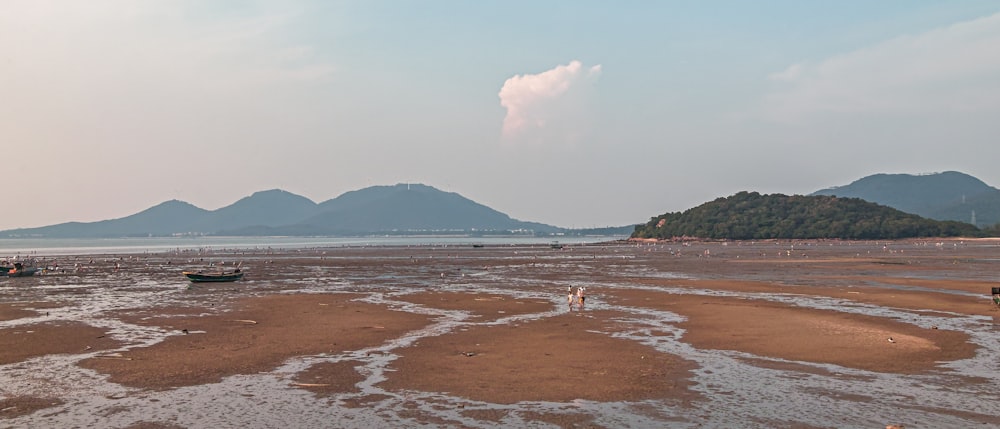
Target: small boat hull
(203, 277)
(18, 271)
(24, 272)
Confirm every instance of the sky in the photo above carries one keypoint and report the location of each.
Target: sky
(576, 113)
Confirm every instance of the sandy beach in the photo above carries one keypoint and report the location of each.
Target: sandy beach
(808, 334)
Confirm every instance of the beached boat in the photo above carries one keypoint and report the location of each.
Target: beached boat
(19, 270)
(216, 276)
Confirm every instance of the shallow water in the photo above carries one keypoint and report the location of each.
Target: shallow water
(740, 389)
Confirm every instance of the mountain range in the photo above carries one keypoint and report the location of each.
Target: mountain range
(420, 209)
(948, 195)
(398, 209)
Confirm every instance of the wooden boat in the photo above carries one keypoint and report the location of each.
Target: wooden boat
(216, 276)
(19, 270)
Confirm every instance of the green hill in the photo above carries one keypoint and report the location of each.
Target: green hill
(752, 216)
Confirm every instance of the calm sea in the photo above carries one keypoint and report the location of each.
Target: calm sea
(52, 246)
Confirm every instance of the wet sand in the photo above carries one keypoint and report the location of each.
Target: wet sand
(256, 335)
(673, 335)
(777, 330)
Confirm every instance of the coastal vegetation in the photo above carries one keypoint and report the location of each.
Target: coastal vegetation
(753, 216)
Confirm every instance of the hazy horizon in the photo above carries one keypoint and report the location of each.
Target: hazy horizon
(574, 114)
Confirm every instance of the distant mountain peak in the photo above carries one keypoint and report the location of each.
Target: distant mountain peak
(411, 207)
(376, 209)
(948, 195)
(175, 202)
(416, 187)
(173, 205)
(274, 191)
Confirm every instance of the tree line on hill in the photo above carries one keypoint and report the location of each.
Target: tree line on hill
(752, 216)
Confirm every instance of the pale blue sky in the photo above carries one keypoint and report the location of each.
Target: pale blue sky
(571, 113)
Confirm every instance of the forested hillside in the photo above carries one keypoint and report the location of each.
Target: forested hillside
(750, 215)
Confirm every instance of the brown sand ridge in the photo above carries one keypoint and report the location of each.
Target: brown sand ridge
(484, 307)
(560, 358)
(924, 300)
(14, 311)
(26, 342)
(787, 332)
(259, 335)
(857, 292)
(22, 405)
(11, 311)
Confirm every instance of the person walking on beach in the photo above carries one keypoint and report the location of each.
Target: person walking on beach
(569, 296)
(579, 295)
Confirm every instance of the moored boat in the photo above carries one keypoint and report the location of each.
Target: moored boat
(19, 270)
(216, 276)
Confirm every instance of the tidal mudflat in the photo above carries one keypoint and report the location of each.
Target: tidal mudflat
(738, 334)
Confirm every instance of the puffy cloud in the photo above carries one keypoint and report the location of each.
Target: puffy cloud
(954, 68)
(535, 102)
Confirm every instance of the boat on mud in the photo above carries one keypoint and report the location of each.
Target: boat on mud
(213, 276)
(18, 270)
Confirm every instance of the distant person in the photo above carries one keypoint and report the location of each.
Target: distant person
(569, 296)
(580, 296)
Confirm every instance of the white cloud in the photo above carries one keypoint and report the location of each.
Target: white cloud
(788, 75)
(950, 69)
(543, 101)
